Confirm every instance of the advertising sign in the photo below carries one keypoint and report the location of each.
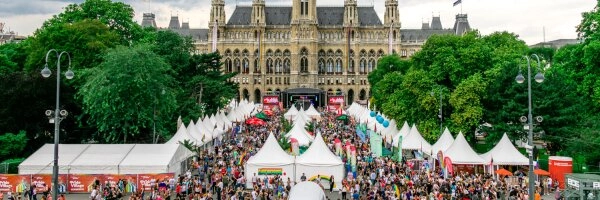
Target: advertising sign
(335, 102)
(145, 181)
(270, 102)
(448, 165)
(13, 182)
(83, 183)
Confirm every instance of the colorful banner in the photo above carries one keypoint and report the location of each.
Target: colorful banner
(42, 180)
(448, 165)
(145, 181)
(270, 102)
(13, 182)
(334, 103)
(270, 171)
(83, 183)
(400, 138)
(376, 146)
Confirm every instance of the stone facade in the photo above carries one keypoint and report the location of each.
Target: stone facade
(305, 46)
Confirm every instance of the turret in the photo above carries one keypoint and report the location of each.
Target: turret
(258, 13)
(350, 13)
(217, 12)
(392, 15)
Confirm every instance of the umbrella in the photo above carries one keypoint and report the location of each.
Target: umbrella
(541, 172)
(255, 121)
(342, 117)
(261, 115)
(503, 172)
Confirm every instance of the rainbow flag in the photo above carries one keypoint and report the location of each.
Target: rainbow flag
(241, 160)
(397, 190)
(270, 171)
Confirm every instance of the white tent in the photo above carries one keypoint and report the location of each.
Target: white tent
(300, 134)
(42, 160)
(403, 132)
(307, 190)
(269, 157)
(291, 113)
(195, 133)
(415, 141)
(319, 160)
(505, 153)
(313, 113)
(443, 142)
(181, 136)
(154, 158)
(108, 159)
(461, 153)
(100, 159)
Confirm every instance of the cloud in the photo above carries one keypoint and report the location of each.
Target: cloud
(525, 18)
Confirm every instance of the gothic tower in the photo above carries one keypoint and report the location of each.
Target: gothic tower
(350, 13)
(392, 16)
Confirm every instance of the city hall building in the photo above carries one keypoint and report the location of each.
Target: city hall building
(306, 53)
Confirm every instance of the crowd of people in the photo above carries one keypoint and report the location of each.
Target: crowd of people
(218, 173)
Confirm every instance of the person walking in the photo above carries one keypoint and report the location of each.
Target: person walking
(331, 183)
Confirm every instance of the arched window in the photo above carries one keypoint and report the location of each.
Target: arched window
(363, 65)
(338, 65)
(270, 69)
(237, 65)
(278, 66)
(286, 66)
(372, 65)
(304, 60)
(351, 62)
(330, 66)
(245, 66)
(322, 66)
(228, 66)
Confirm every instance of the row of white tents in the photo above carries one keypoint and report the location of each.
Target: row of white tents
(137, 158)
(212, 127)
(300, 118)
(458, 150)
(108, 159)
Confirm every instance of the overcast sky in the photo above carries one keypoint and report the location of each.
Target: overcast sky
(527, 18)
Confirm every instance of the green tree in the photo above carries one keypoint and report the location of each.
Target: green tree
(85, 40)
(11, 145)
(118, 16)
(205, 88)
(130, 91)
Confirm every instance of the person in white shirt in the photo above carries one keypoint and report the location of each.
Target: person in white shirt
(254, 195)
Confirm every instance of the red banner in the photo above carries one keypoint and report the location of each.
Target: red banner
(448, 164)
(13, 182)
(39, 180)
(335, 102)
(83, 182)
(145, 181)
(270, 102)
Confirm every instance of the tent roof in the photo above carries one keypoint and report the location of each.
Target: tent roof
(312, 111)
(300, 134)
(414, 141)
(291, 112)
(271, 153)
(307, 190)
(403, 132)
(318, 154)
(45, 155)
(505, 153)
(461, 153)
(159, 154)
(181, 136)
(103, 155)
(443, 142)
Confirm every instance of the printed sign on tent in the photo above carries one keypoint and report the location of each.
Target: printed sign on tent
(13, 182)
(83, 182)
(270, 171)
(40, 179)
(145, 181)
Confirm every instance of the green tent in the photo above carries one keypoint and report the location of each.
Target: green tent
(343, 118)
(261, 115)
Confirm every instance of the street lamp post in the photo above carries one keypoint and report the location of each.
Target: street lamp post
(56, 115)
(539, 77)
